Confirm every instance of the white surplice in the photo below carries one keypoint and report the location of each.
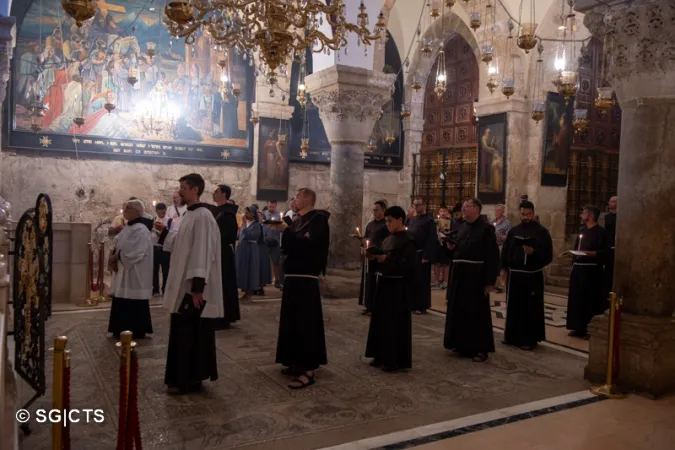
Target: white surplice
(133, 279)
(195, 253)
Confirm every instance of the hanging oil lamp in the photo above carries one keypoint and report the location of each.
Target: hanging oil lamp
(426, 47)
(538, 109)
(475, 21)
(236, 92)
(80, 10)
(450, 3)
(302, 95)
(580, 121)
(509, 87)
(434, 10)
(568, 84)
(304, 144)
(405, 110)
(35, 124)
(492, 83)
(486, 53)
(604, 102)
(255, 118)
(150, 52)
(441, 79)
(390, 138)
(526, 39)
(79, 121)
(372, 144)
(416, 84)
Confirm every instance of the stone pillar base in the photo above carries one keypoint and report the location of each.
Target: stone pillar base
(646, 356)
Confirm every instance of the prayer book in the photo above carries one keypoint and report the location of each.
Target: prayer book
(272, 222)
(375, 251)
(188, 308)
(525, 241)
(578, 253)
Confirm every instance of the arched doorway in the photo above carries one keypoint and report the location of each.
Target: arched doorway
(594, 155)
(444, 172)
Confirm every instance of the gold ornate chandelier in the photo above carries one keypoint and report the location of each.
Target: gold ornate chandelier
(274, 29)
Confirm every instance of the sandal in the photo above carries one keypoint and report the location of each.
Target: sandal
(480, 357)
(300, 384)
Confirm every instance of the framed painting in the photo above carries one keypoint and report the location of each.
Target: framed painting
(558, 136)
(273, 159)
(166, 95)
(492, 156)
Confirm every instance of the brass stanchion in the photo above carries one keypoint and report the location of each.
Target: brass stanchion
(100, 298)
(606, 390)
(127, 398)
(57, 387)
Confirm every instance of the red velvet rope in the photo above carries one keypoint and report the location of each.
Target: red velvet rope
(101, 255)
(96, 285)
(122, 419)
(617, 344)
(65, 443)
(133, 404)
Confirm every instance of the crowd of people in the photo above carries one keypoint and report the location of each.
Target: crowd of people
(205, 254)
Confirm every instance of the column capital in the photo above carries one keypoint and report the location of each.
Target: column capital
(641, 59)
(350, 100)
(7, 44)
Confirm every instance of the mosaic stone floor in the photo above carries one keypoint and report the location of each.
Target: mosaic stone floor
(250, 407)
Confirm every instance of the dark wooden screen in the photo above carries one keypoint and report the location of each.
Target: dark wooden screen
(594, 156)
(449, 145)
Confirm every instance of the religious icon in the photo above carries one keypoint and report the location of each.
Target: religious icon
(492, 158)
(272, 160)
(557, 140)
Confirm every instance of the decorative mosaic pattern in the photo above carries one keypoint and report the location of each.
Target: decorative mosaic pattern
(250, 405)
(554, 315)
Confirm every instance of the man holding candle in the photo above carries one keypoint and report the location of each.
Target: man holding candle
(422, 229)
(528, 249)
(588, 286)
(376, 232)
(468, 323)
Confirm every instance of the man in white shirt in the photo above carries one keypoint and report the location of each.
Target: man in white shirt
(132, 264)
(194, 293)
(177, 209)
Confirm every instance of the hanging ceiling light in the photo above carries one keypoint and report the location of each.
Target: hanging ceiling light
(80, 10)
(405, 110)
(255, 117)
(492, 82)
(509, 76)
(487, 50)
(272, 29)
(372, 144)
(526, 38)
(538, 105)
(567, 83)
(604, 101)
(580, 121)
(450, 3)
(441, 77)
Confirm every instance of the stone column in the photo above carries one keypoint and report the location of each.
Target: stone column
(350, 101)
(642, 71)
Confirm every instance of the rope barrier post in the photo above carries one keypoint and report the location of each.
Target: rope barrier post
(65, 445)
(125, 427)
(607, 390)
(101, 298)
(57, 388)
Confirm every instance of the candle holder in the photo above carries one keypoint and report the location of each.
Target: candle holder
(527, 40)
(492, 84)
(416, 84)
(282, 139)
(580, 121)
(390, 138)
(450, 3)
(405, 110)
(435, 11)
(509, 87)
(486, 53)
(568, 85)
(426, 47)
(475, 22)
(372, 144)
(304, 144)
(604, 102)
(538, 111)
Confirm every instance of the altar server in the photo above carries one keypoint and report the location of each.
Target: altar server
(527, 250)
(390, 332)
(301, 346)
(193, 293)
(132, 263)
(468, 323)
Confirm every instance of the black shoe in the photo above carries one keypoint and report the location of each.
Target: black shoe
(260, 292)
(375, 363)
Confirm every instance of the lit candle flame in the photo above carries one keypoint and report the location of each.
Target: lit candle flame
(357, 231)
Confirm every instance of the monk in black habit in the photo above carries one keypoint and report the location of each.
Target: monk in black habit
(588, 295)
(468, 322)
(376, 232)
(528, 249)
(226, 217)
(422, 228)
(301, 346)
(390, 332)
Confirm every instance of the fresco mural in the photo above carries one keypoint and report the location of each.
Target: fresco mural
(308, 121)
(173, 96)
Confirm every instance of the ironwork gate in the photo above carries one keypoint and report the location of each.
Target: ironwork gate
(32, 280)
(445, 176)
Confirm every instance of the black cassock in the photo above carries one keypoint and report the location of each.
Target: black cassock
(588, 285)
(422, 229)
(610, 227)
(468, 322)
(226, 218)
(390, 332)
(376, 232)
(302, 343)
(525, 324)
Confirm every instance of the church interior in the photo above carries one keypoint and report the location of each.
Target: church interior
(561, 103)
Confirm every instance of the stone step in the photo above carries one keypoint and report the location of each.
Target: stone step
(557, 290)
(558, 280)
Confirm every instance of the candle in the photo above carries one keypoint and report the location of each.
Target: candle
(121, 211)
(367, 243)
(357, 231)
(154, 203)
(581, 236)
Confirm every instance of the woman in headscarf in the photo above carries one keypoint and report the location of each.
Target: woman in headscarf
(248, 253)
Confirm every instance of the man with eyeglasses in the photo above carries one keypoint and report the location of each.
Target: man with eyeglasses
(422, 229)
(468, 322)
